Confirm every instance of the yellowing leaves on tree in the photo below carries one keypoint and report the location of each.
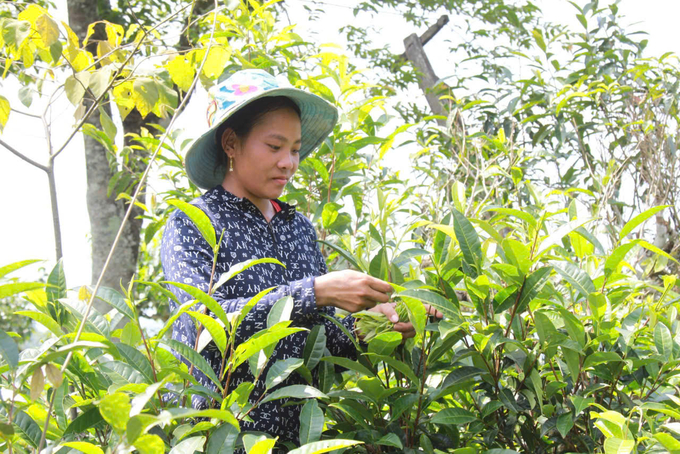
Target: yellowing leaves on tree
(79, 59)
(48, 29)
(122, 94)
(145, 95)
(216, 61)
(181, 72)
(114, 34)
(31, 14)
(4, 112)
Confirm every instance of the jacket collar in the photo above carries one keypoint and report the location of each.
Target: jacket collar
(219, 195)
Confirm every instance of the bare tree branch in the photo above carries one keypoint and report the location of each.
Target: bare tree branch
(25, 158)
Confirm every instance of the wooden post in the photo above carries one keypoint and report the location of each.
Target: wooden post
(428, 81)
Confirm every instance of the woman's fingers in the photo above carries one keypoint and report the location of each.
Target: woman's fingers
(379, 285)
(433, 311)
(405, 328)
(388, 310)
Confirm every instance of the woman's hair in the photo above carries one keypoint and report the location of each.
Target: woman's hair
(243, 120)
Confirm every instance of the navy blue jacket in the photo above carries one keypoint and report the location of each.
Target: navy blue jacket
(288, 237)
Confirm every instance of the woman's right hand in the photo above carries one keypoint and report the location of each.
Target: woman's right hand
(350, 290)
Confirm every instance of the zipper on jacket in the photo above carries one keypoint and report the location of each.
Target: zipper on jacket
(271, 230)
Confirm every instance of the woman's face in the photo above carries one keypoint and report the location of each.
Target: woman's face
(266, 159)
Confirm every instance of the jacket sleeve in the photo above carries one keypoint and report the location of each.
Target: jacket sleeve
(187, 258)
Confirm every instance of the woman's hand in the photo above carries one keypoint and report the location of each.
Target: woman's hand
(350, 290)
(406, 329)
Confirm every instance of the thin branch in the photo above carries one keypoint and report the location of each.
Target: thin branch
(25, 158)
(25, 113)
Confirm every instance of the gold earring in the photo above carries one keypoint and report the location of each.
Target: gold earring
(231, 164)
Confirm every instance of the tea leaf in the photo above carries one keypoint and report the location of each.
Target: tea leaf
(44, 320)
(216, 330)
(137, 360)
(116, 300)
(205, 299)
(54, 375)
(618, 446)
(18, 287)
(222, 440)
(578, 278)
(262, 340)
(199, 218)
(348, 364)
(194, 358)
(467, 239)
(89, 418)
(189, 445)
(30, 429)
(280, 370)
(564, 424)
(83, 446)
(150, 444)
(311, 422)
(295, 392)
(319, 447)
(455, 416)
(314, 346)
(238, 268)
(115, 409)
(9, 350)
(344, 254)
(663, 341)
(639, 219)
(5, 270)
(37, 383)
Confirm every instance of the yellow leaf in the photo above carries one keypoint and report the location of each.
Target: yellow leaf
(83, 446)
(216, 62)
(90, 32)
(84, 294)
(114, 34)
(37, 383)
(181, 72)
(115, 409)
(54, 375)
(32, 13)
(48, 29)
(71, 36)
(122, 94)
(150, 444)
(81, 61)
(104, 49)
(27, 55)
(4, 112)
(145, 95)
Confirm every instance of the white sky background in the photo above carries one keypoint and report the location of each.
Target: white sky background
(26, 226)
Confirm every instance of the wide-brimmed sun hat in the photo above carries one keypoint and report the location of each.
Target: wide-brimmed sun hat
(317, 118)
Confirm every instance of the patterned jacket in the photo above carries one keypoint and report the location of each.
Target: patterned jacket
(288, 237)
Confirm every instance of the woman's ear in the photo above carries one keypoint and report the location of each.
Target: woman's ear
(229, 140)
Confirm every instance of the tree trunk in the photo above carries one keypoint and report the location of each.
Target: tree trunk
(106, 213)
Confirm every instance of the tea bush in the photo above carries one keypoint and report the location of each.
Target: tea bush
(560, 328)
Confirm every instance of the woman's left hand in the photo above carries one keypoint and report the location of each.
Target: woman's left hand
(406, 329)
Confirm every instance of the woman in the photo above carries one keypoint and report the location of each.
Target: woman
(258, 131)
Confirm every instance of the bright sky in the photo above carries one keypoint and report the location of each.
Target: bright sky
(27, 228)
